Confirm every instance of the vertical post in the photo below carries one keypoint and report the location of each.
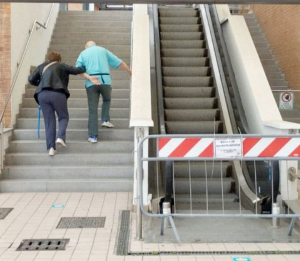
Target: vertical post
(139, 193)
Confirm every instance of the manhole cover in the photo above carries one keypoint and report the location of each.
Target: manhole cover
(4, 212)
(123, 233)
(81, 222)
(43, 244)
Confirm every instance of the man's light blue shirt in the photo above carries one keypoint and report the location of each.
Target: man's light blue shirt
(96, 61)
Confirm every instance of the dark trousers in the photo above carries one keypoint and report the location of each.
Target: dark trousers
(50, 103)
(93, 94)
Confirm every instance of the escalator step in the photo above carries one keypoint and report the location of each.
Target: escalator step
(201, 198)
(183, 62)
(186, 71)
(182, 36)
(184, 52)
(194, 127)
(185, 92)
(178, 12)
(181, 28)
(191, 103)
(198, 185)
(179, 20)
(192, 115)
(187, 81)
(202, 169)
(183, 44)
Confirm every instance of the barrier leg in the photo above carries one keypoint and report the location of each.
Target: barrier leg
(292, 224)
(174, 229)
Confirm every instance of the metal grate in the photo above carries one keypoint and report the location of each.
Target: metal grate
(81, 222)
(123, 234)
(43, 244)
(4, 212)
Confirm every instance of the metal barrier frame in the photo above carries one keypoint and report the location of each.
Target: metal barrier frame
(170, 216)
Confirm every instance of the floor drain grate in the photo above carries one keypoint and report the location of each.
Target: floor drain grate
(43, 244)
(81, 222)
(4, 212)
(123, 234)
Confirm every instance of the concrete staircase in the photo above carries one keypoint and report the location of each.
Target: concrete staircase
(191, 107)
(82, 166)
(271, 66)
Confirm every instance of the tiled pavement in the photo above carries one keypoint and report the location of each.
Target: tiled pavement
(34, 217)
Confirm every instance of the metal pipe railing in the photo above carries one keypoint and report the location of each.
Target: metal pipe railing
(12, 86)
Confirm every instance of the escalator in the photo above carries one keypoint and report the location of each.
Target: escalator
(191, 106)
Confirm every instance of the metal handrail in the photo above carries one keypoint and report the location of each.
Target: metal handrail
(45, 25)
(35, 23)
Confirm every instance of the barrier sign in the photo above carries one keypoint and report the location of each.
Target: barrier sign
(241, 259)
(228, 148)
(286, 100)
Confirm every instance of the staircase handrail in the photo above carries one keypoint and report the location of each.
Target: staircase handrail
(35, 23)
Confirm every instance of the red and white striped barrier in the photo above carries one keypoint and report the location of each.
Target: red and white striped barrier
(249, 147)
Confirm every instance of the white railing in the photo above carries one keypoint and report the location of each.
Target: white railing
(140, 96)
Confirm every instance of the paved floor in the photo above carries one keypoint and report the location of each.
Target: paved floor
(34, 216)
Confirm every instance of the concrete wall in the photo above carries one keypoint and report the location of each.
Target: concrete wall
(23, 16)
(281, 25)
(5, 73)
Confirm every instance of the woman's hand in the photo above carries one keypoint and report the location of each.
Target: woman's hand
(94, 80)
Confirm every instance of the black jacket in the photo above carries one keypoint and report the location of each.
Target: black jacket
(55, 77)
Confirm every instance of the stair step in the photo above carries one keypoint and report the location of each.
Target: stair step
(72, 61)
(73, 56)
(64, 172)
(97, 29)
(194, 127)
(95, 14)
(76, 112)
(80, 84)
(99, 18)
(198, 186)
(187, 81)
(183, 44)
(190, 103)
(104, 134)
(30, 123)
(86, 24)
(78, 103)
(84, 159)
(62, 49)
(185, 92)
(73, 146)
(82, 41)
(67, 185)
(81, 93)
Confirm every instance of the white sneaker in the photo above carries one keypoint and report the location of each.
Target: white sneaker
(52, 152)
(92, 139)
(61, 142)
(107, 124)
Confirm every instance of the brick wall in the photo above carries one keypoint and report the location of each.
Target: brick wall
(281, 24)
(5, 58)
